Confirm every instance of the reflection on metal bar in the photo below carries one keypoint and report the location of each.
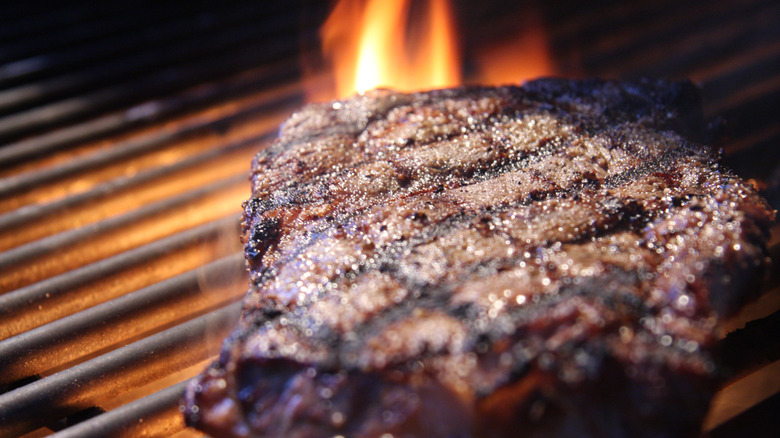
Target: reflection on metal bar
(154, 415)
(157, 109)
(49, 346)
(40, 247)
(36, 211)
(178, 24)
(39, 303)
(157, 57)
(11, 185)
(89, 383)
(163, 82)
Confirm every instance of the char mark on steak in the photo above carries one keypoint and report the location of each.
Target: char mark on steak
(545, 260)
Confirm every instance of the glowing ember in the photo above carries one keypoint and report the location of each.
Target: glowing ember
(376, 43)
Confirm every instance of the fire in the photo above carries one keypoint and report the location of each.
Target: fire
(412, 45)
(380, 43)
(522, 55)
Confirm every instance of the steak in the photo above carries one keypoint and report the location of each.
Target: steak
(551, 260)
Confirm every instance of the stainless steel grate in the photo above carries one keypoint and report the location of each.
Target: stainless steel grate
(126, 134)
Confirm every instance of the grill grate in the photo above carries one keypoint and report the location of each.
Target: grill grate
(127, 130)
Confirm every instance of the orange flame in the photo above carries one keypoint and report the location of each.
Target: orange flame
(380, 53)
(412, 45)
(522, 55)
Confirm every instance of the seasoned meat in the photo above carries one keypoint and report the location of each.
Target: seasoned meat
(551, 260)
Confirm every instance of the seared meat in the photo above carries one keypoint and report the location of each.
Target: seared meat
(546, 260)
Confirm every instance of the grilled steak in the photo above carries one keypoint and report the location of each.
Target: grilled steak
(546, 260)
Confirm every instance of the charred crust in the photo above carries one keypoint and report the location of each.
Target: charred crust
(540, 240)
(264, 235)
(257, 206)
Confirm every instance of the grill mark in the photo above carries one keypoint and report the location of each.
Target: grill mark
(310, 237)
(256, 207)
(433, 297)
(339, 129)
(547, 148)
(482, 337)
(385, 264)
(426, 296)
(438, 296)
(515, 320)
(306, 193)
(394, 249)
(627, 177)
(516, 106)
(657, 164)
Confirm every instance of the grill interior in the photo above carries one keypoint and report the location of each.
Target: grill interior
(127, 131)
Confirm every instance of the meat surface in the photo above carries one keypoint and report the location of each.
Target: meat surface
(551, 260)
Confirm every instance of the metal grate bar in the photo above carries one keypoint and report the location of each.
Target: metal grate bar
(31, 25)
(155, 110)
(742, 396)
(761, 421)
(640, 47)
(246, 31)
(749, 83)
(166, 221)
(154, 415)
(47, 300)
(36, 211)
(90, 383)
(587, 21)
(38, 248)
(162, 82)
(75, 25)
(14, 184)
(755, 115)
(753, 346)
(68, 339)
(177, 26)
